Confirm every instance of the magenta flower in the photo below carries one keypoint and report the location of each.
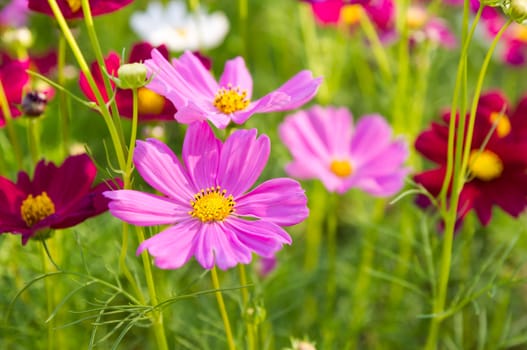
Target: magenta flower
(197, 95)
(73, 9)
(326, 146)
(211, 216)
(13, 78)
(57, 197)
(424, 26)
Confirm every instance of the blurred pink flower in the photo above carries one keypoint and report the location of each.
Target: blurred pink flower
(14, 14)
(73, 9)
(13, 78)
(423, 26)
(204, 200)
(198, 96)
(326, 146)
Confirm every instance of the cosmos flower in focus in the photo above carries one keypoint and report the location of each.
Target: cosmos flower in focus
(198, 96)
(56, 197)
(178, 29)
(205, 200)
(325, 145)
(151, 106)
(497, 163)
(73, 9)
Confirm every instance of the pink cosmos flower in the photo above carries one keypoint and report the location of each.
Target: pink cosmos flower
(56, 197)
(326, 146)
(198, 96)
(14, 14)
(73, 9)
(205, 200)
(423, 26)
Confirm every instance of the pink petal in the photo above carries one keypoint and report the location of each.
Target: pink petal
(281, 201)
(173, 247)
(227, 249)
(242, 159)
(201, 154)
(192, 70)
(161, 169)
(145, 209)
(236, 74)
(372, 135)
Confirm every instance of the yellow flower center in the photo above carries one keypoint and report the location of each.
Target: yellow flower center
(416, 17)
(351, 14)
(229, 100)
(341, 168)
(34, 209)
(75, 5)
(503, 124)
(520, 32)
(211, 204)
(485, 165)
(149, 102)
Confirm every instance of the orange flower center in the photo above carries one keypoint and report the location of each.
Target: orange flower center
(520, 32)
(503, 124)
(74, 5)
(211, 204)
(341, 168)
(149, 102)
(229, 100)
(34, 209)
(351, 14)
(416, 17)
(485, 165)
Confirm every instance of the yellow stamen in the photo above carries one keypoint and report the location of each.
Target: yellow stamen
(341, 168)
(229, 100)
(416, 17)
(34, 209)
(503, 124)
(149, 102)
(75, 5)
(351, 14)
(211, 204)
(485, 165)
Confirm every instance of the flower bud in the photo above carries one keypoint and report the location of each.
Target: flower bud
(492, 3)
(517, 10)
(34, 103)
(132, 76)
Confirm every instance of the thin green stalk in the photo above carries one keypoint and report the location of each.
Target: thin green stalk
(221, 306)
(63, 101)
(157, 315)
(403, 60)
(317, 204)
(4, 103)
(331, 231)
(244, 12)
(32, 136)
(49, 297)
(361, 284)
(376, 46)
(77, 53)
(94, 40)
(133, 137)
(245, 304)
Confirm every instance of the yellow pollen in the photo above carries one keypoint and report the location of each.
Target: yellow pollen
(229, 100)
(34, 209)
(75, 5)
(211, 204)
(520, 32)
(351, 14)
(341, 168)
(416, 17)
(149, 102)
(485, 165)
(503, 124)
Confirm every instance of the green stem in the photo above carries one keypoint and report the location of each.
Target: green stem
(77, 53)
(49, 297)
(4, 103)
(245, 302)
(32, 135)
(317, 204)
(400, 99)
(221, 306)
(63, 102)
(376, 46)
(157, 315)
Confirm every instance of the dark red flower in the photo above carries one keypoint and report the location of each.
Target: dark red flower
(13, 78)
(497, 168)
(56, 197)
(152, 106)
(72, 8)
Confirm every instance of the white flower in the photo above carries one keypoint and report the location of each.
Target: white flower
(178, 29)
